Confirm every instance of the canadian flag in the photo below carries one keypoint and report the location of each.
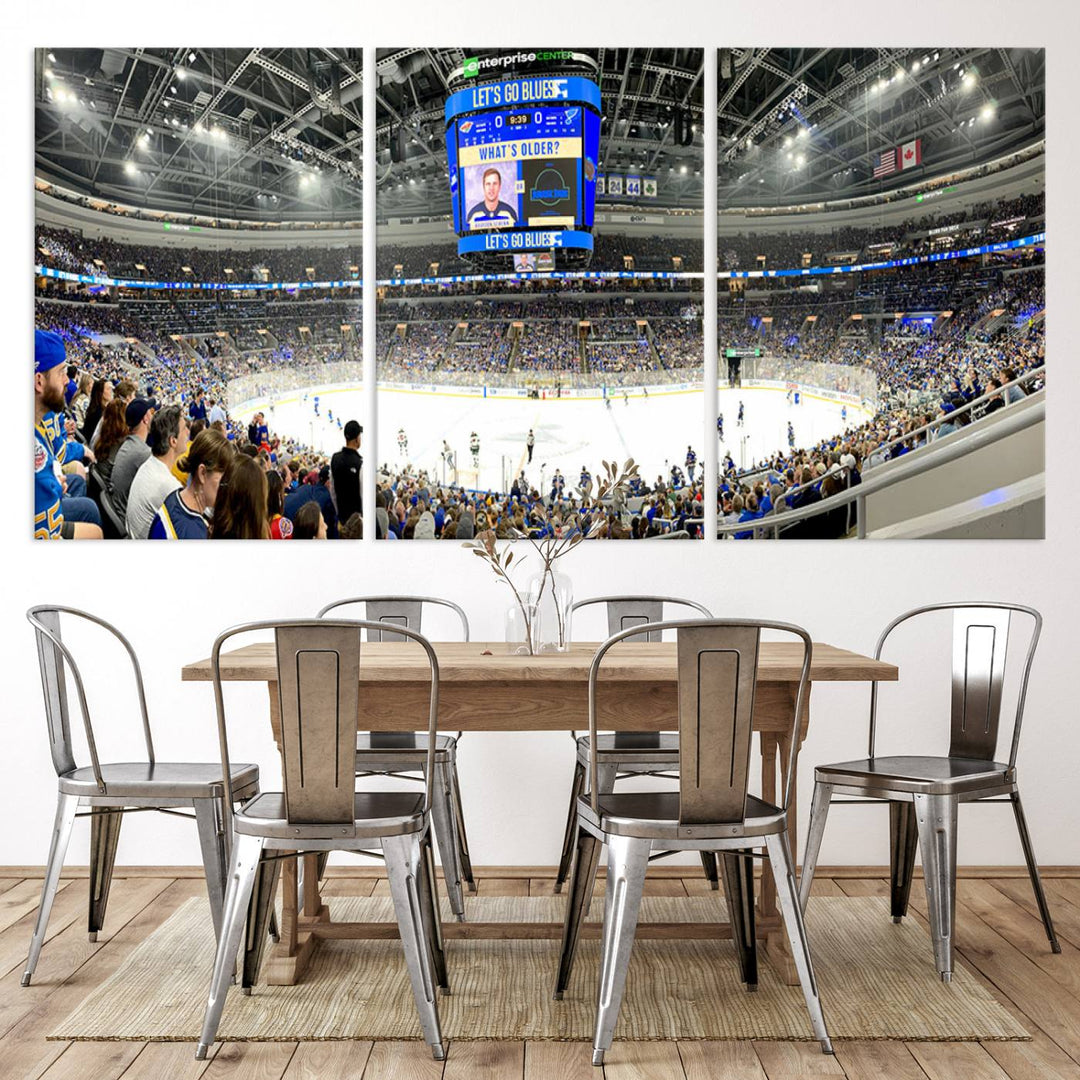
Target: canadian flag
(910, 154)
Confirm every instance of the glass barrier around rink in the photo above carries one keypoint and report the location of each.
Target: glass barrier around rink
(840, 379)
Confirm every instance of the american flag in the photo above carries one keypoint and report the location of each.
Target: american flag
(886, 163)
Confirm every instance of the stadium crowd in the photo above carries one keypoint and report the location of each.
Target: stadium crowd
(127, 386)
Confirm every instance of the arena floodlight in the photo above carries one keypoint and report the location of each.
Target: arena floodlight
(129, 168)
(988, 111)
(181, 74)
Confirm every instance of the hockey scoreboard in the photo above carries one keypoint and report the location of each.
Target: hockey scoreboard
(522, 162)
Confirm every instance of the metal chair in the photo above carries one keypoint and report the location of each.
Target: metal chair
(924, 793)
(401, 753)
(318, 663)
(627, 753)
(711, 811)
(110, 790)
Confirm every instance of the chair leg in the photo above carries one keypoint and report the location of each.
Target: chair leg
(66, 805)
(577, 789)
(712, 873)
(428, 891)
(903, 841)
(464, 858)
(214, 855)
(628, 860)
(442, 821)
(936, 818)
(606, 775)
(787, 897)
(244, 863)
(104, 836)
(739, 893)
(259, 913)
(1033, 871)
(403, 869)
(819, 811)
(582, 880)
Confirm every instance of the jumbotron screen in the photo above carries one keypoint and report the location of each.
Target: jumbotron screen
(522, 162)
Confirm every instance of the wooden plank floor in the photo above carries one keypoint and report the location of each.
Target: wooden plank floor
(998, 935)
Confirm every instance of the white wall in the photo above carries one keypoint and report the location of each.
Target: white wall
(173, 602)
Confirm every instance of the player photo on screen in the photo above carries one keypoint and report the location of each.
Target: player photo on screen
(491, 195)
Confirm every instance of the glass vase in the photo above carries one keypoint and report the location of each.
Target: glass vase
(522, 629)
(553, 594)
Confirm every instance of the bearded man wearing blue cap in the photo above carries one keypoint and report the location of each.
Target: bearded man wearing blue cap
(56, 516)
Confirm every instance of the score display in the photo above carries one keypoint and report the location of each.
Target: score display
(522, 159)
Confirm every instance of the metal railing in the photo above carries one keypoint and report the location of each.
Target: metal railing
(969, 406)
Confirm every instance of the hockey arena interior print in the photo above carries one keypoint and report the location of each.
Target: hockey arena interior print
(197, 262)
(881, 243)
(539, 286)
(539, 239)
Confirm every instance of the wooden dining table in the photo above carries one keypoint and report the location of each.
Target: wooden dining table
(485, 687)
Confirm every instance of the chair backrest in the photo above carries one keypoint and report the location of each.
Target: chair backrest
(390, 611)
(53, 657)
(979, 646)
(624, 612)
(717, 677)
(318, 670)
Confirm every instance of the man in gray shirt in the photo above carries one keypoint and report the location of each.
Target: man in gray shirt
(134, 450)
(155, 481)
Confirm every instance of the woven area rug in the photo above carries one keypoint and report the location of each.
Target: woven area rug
(877, 981)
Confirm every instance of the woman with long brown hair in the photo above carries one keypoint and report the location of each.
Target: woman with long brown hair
(114, 430)
(100, 395)
(240, 509)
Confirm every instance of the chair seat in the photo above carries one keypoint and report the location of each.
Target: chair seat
(633, 748)
(400, 745)
(921, 775)
(163, 779)
(375, 813)
(655, 815)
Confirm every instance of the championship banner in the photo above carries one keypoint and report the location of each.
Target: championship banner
(614, 185)
(648, 187)
(633, 186)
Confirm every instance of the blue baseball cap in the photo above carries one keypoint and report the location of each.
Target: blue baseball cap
(49, 351)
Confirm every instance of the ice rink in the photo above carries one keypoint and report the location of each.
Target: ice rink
(570, 432)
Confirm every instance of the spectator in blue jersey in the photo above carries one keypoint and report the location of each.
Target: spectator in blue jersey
(72, 387)
(492, 211)
(154, 481)
(197, 409)
(54, 518)
(185, 512)
(315, 491)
